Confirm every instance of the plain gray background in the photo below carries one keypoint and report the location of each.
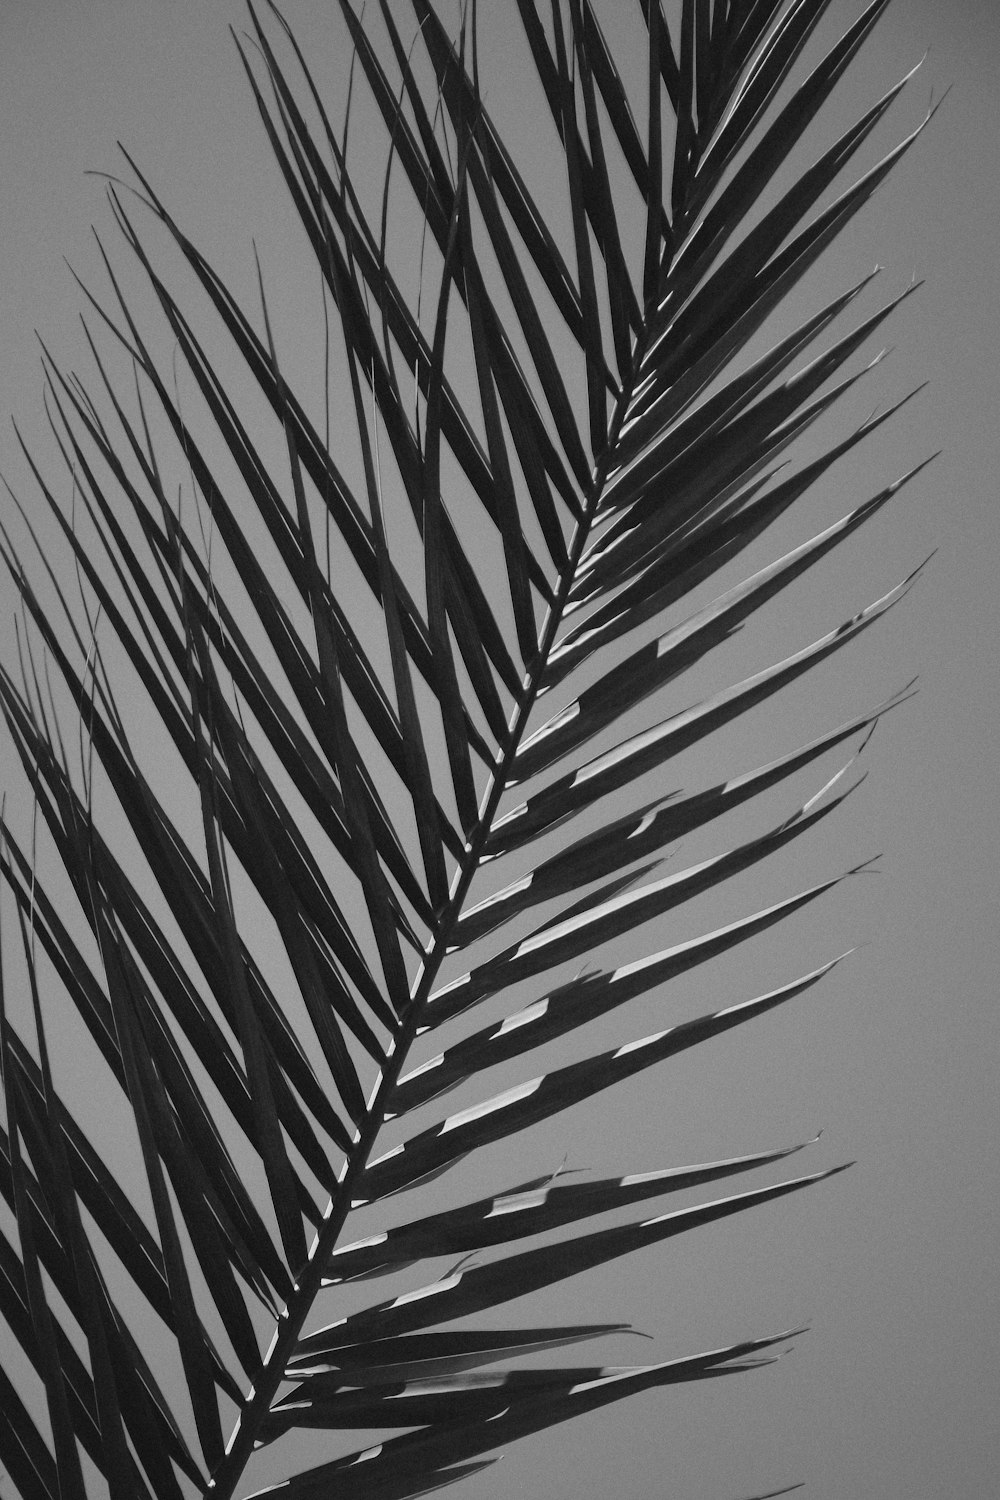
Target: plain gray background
(894, 1393)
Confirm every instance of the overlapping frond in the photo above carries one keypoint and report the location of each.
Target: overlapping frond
(377, 659)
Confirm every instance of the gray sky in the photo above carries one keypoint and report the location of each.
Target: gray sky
(894, 1392)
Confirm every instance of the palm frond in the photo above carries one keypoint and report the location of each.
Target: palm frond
(459, 629)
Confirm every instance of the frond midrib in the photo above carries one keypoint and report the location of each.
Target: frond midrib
(307, 1286)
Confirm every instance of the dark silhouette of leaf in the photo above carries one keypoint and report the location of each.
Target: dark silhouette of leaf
(372, 636)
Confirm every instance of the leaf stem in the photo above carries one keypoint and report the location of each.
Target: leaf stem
(307, 1285)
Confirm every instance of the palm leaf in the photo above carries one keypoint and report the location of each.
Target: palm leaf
(344, 639)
